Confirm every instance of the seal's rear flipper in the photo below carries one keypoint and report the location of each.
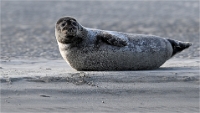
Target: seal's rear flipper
(178, 46)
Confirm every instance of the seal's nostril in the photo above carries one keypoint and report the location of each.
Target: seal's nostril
(70, 29)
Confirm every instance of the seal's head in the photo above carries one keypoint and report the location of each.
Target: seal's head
(66, 29)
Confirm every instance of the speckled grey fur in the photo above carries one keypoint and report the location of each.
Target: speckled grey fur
(94, 49)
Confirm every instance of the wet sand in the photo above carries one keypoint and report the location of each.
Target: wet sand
(53, 86)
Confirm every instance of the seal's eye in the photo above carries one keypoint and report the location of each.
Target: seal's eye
(63, 24)
(74, 23)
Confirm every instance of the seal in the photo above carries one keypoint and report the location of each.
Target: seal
(87, 49)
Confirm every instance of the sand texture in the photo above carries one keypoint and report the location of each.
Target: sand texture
(56, 87)
(35, 78)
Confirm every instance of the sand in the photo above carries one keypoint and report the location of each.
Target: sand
(52, 86)
(35, 78)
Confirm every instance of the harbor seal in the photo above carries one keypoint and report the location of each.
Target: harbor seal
(87, 49)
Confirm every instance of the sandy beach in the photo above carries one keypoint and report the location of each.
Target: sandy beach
(35, 78)
(52, 86)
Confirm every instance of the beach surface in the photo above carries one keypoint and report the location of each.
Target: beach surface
(35, 78)
(52, 86)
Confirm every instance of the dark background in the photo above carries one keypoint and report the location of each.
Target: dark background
(27, 27)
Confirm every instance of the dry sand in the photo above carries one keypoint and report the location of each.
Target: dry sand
(34, 77)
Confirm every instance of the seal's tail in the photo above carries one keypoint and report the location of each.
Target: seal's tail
(178, 46)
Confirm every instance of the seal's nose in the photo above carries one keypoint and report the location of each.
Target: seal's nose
(70, 29)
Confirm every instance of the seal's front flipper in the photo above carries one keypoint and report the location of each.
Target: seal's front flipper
(178, 46)
(111, 39)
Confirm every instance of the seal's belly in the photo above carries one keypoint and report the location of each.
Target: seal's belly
(137, 55)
